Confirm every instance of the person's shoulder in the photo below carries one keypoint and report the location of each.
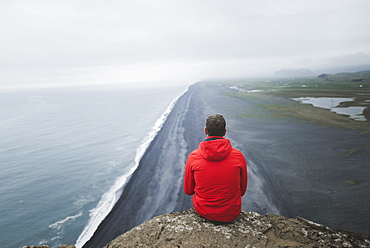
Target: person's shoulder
(194, 156)
(237, 152)
(196, 152)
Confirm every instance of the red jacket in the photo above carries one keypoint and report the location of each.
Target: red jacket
(216, 173)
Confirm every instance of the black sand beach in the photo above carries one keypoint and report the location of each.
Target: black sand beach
(295, 168)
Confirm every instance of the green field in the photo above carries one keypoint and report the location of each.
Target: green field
(278, 93)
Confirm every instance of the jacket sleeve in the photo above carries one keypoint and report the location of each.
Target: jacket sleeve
(189, 182)
(243, 176)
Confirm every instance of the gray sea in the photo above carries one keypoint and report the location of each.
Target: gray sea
(66, 153)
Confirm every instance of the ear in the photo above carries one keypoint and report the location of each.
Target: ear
(205, 131)
(225, 132)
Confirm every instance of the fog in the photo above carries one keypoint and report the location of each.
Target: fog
(50, 43)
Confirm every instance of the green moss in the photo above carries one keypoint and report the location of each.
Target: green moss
(351, 152)
(352, 182)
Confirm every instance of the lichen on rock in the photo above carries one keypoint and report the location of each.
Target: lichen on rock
(250, 229)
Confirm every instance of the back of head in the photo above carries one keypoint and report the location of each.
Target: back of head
(216, 125)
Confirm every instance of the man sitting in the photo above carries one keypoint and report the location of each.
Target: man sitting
(216, 173)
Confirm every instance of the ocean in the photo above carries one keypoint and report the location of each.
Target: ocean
(66, 153)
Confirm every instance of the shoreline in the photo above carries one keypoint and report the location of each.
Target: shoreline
(101, 211)
(148, 193)
(296, 168)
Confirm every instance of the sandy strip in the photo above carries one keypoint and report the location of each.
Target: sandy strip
(318, 172)
(296, 168)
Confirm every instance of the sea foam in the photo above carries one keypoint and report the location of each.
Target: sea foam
(58, 224)
(109, 199)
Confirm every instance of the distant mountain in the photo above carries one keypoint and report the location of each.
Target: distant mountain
(290, 73)
(347, 76)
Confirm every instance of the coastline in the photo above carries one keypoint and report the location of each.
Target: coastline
(296, 168)
(110, 198)
(153, 188)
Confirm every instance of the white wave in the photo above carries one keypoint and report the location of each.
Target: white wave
(82, 200)
(57, 225)
(42, 242)
(109, 199)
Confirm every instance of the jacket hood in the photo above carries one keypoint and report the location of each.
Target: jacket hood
(215, 149)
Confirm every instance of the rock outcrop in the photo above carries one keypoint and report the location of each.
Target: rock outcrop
(250, 229)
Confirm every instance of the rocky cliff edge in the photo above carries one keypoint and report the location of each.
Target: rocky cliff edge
(250, 229)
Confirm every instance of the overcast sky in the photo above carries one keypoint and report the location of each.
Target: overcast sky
(80, 42)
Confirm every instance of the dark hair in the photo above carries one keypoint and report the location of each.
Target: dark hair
(216, 125)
